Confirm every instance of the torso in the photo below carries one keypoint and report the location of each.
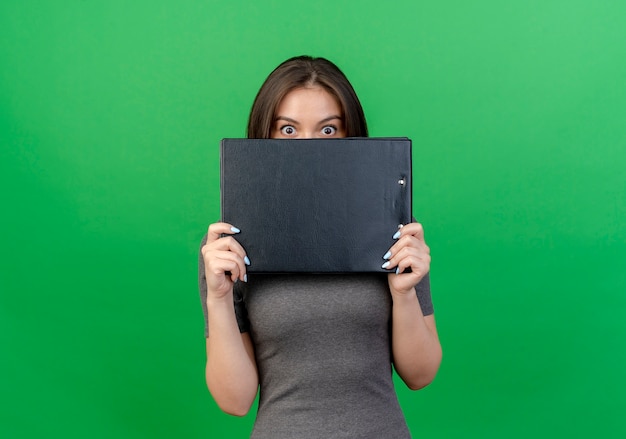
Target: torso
(322, 346)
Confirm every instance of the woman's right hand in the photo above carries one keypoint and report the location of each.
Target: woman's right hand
(225, 260)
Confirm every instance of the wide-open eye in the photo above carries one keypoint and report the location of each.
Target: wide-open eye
(288, 130)
(329, 130)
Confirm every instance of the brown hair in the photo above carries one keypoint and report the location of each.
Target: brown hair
(305, 71)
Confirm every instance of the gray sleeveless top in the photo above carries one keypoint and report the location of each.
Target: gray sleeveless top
(322, 346)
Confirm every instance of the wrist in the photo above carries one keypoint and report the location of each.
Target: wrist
(402, 297)
(219, 301)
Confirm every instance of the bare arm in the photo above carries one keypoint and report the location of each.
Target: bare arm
(231, 372)
(415, 344)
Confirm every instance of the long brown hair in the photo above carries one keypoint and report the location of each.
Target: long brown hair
(305, 71)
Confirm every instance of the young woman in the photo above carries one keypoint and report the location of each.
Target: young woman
(319, 347)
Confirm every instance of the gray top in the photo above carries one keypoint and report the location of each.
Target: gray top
(322, 347)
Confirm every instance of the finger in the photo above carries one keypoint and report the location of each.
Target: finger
(219, 267)
(222, 270)
(223, 262)
(216, 230)
(418, 264)
(407, 241)
(225, 248)
(216, 241)
(406, 257)
(227, 243)
(414, 229)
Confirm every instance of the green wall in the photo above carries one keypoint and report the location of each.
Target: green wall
(110, 117)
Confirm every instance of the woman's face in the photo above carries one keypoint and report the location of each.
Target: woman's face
(306, 113)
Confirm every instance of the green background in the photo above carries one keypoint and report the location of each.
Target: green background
(110, 117)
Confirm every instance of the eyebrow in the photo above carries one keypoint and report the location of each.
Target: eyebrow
(290, 120)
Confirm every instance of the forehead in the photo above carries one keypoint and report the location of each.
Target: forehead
(308, 99)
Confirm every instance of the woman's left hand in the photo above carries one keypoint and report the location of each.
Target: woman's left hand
(409, 252)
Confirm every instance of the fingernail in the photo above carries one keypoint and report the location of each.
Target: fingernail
(245, 278)
(386, 264)
(246, 260)
(235, 230)
(398, 270)
(397, 235)
(387, 255)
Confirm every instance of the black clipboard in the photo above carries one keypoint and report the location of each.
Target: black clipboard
(316, 205)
